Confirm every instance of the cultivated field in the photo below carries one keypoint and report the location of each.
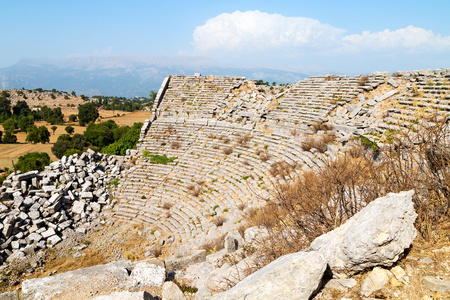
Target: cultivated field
(11, 152)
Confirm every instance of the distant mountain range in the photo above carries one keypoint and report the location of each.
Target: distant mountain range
(123, 75)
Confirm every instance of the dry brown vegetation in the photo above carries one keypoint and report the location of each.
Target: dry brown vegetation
(219, 220)
(317, 202)
(363, 80)
(320, 143)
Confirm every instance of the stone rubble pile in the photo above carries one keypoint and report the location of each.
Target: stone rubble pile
(38, 210)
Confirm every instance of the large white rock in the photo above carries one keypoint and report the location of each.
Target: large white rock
(375, 281)
(148, 275)
(83, 282)
(171, 291)
(293, 276)
(376, 236)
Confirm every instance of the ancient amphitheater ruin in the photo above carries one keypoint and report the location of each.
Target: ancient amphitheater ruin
(227, 135)
(215, 148)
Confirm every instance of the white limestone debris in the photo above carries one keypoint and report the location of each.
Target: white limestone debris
(41, 208)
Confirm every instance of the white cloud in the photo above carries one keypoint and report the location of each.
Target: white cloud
(414, 39)
(255, 30)
(275, 34)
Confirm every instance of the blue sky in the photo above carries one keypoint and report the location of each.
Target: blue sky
(352, 37)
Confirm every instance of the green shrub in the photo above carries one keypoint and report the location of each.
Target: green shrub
(33, 161)
(127, 141)
(38, 135)
(9, 138)
(115, 182)
(158, 159)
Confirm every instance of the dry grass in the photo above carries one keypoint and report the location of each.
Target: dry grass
(243, 140)
(214, 245)
(263, 155)
(219, 220)
(320, 126)
(195, 190)
(175, 145)
(317, 202)
(227, 150)
(320, 143)
(10, 152)
(363, 80)
(167, 205)
(281, 169)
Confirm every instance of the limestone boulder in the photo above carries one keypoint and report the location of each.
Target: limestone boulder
(375, 281)
(293, 276)
(171, 291)
(145, 274)
(182, 263)
(376, 236)
(78, 284)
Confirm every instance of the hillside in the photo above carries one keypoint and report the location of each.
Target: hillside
(228, 162)
(40, 97)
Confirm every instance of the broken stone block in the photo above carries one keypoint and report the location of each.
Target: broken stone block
(48, 233)
(87, 196)
(78, 207)
(53, 240)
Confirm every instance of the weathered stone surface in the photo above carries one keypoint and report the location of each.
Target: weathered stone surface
(126, 296)
(293, 276)
(14, 295)
(53, 240)
(182, 263)
(80, 282)
(437, 285)
(233, 241)
(375, 281)
(171, 291)
(255, 234)
(148, 275)
(78, 207)
(398, 272)
(393, 82)
(376, 236)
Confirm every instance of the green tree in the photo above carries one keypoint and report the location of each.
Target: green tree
(5, 109)
(33, 161)
(38, 135)
(60, 148)
(127, 141)
(67, 144)
(25, 122)
(10, 124)
(54, 129)
(87, 113)
(74, 94)
(21, 109)
(100, 135)
(153, 96)
(72, 118)
(69, 129)
(9, 137)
